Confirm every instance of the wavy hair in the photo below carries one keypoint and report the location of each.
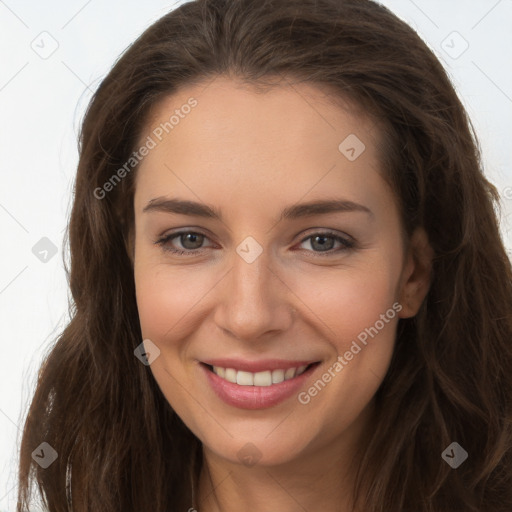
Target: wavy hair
(120, 445)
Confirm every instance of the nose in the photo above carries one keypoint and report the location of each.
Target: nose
(254, 302)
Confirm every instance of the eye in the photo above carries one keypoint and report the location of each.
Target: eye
(191, 242)
(323, 242)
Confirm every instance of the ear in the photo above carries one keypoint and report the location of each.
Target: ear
(416, 275)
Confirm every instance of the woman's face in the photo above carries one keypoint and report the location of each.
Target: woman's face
(293, 273)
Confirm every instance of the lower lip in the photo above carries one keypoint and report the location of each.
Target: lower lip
(255, 397)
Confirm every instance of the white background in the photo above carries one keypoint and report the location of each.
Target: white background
(42, 101)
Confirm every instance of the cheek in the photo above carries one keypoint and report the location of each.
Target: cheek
(357, 313)
(165, 299)
(349, 300)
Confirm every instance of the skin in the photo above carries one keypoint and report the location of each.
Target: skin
(251, 154)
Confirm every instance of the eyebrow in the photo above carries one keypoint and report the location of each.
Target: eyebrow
(172, 205)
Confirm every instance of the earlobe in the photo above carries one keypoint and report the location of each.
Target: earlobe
(417, 274)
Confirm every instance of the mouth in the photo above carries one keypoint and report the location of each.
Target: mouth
(270, 384)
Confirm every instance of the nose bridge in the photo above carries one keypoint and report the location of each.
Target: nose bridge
(253, 298)
(250, 278)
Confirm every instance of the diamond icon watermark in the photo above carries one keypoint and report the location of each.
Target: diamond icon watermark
(45, 45)
(351, 147)
(146, 352)
(45, 455)
(454, 45)
(454, 455)
(249, 249)
(44, 250)
(249, 455)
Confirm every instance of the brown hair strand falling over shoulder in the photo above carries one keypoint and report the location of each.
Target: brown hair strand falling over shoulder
(120, 445)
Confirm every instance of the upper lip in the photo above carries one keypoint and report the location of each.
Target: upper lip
(257, 366)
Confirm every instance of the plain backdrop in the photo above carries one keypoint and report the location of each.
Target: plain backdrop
(53, 56)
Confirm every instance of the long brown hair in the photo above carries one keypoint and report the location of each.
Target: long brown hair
(120, 445)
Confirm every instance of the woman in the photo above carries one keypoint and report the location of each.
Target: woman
(290, 291)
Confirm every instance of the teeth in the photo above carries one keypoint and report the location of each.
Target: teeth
(277, 376)
(245, 378)
(265, 378)
(230, 375)
(290, 373)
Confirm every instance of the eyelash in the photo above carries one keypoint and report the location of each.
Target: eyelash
(347, 244)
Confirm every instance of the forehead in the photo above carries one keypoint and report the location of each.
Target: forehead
(279, 142)
(224, 102)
